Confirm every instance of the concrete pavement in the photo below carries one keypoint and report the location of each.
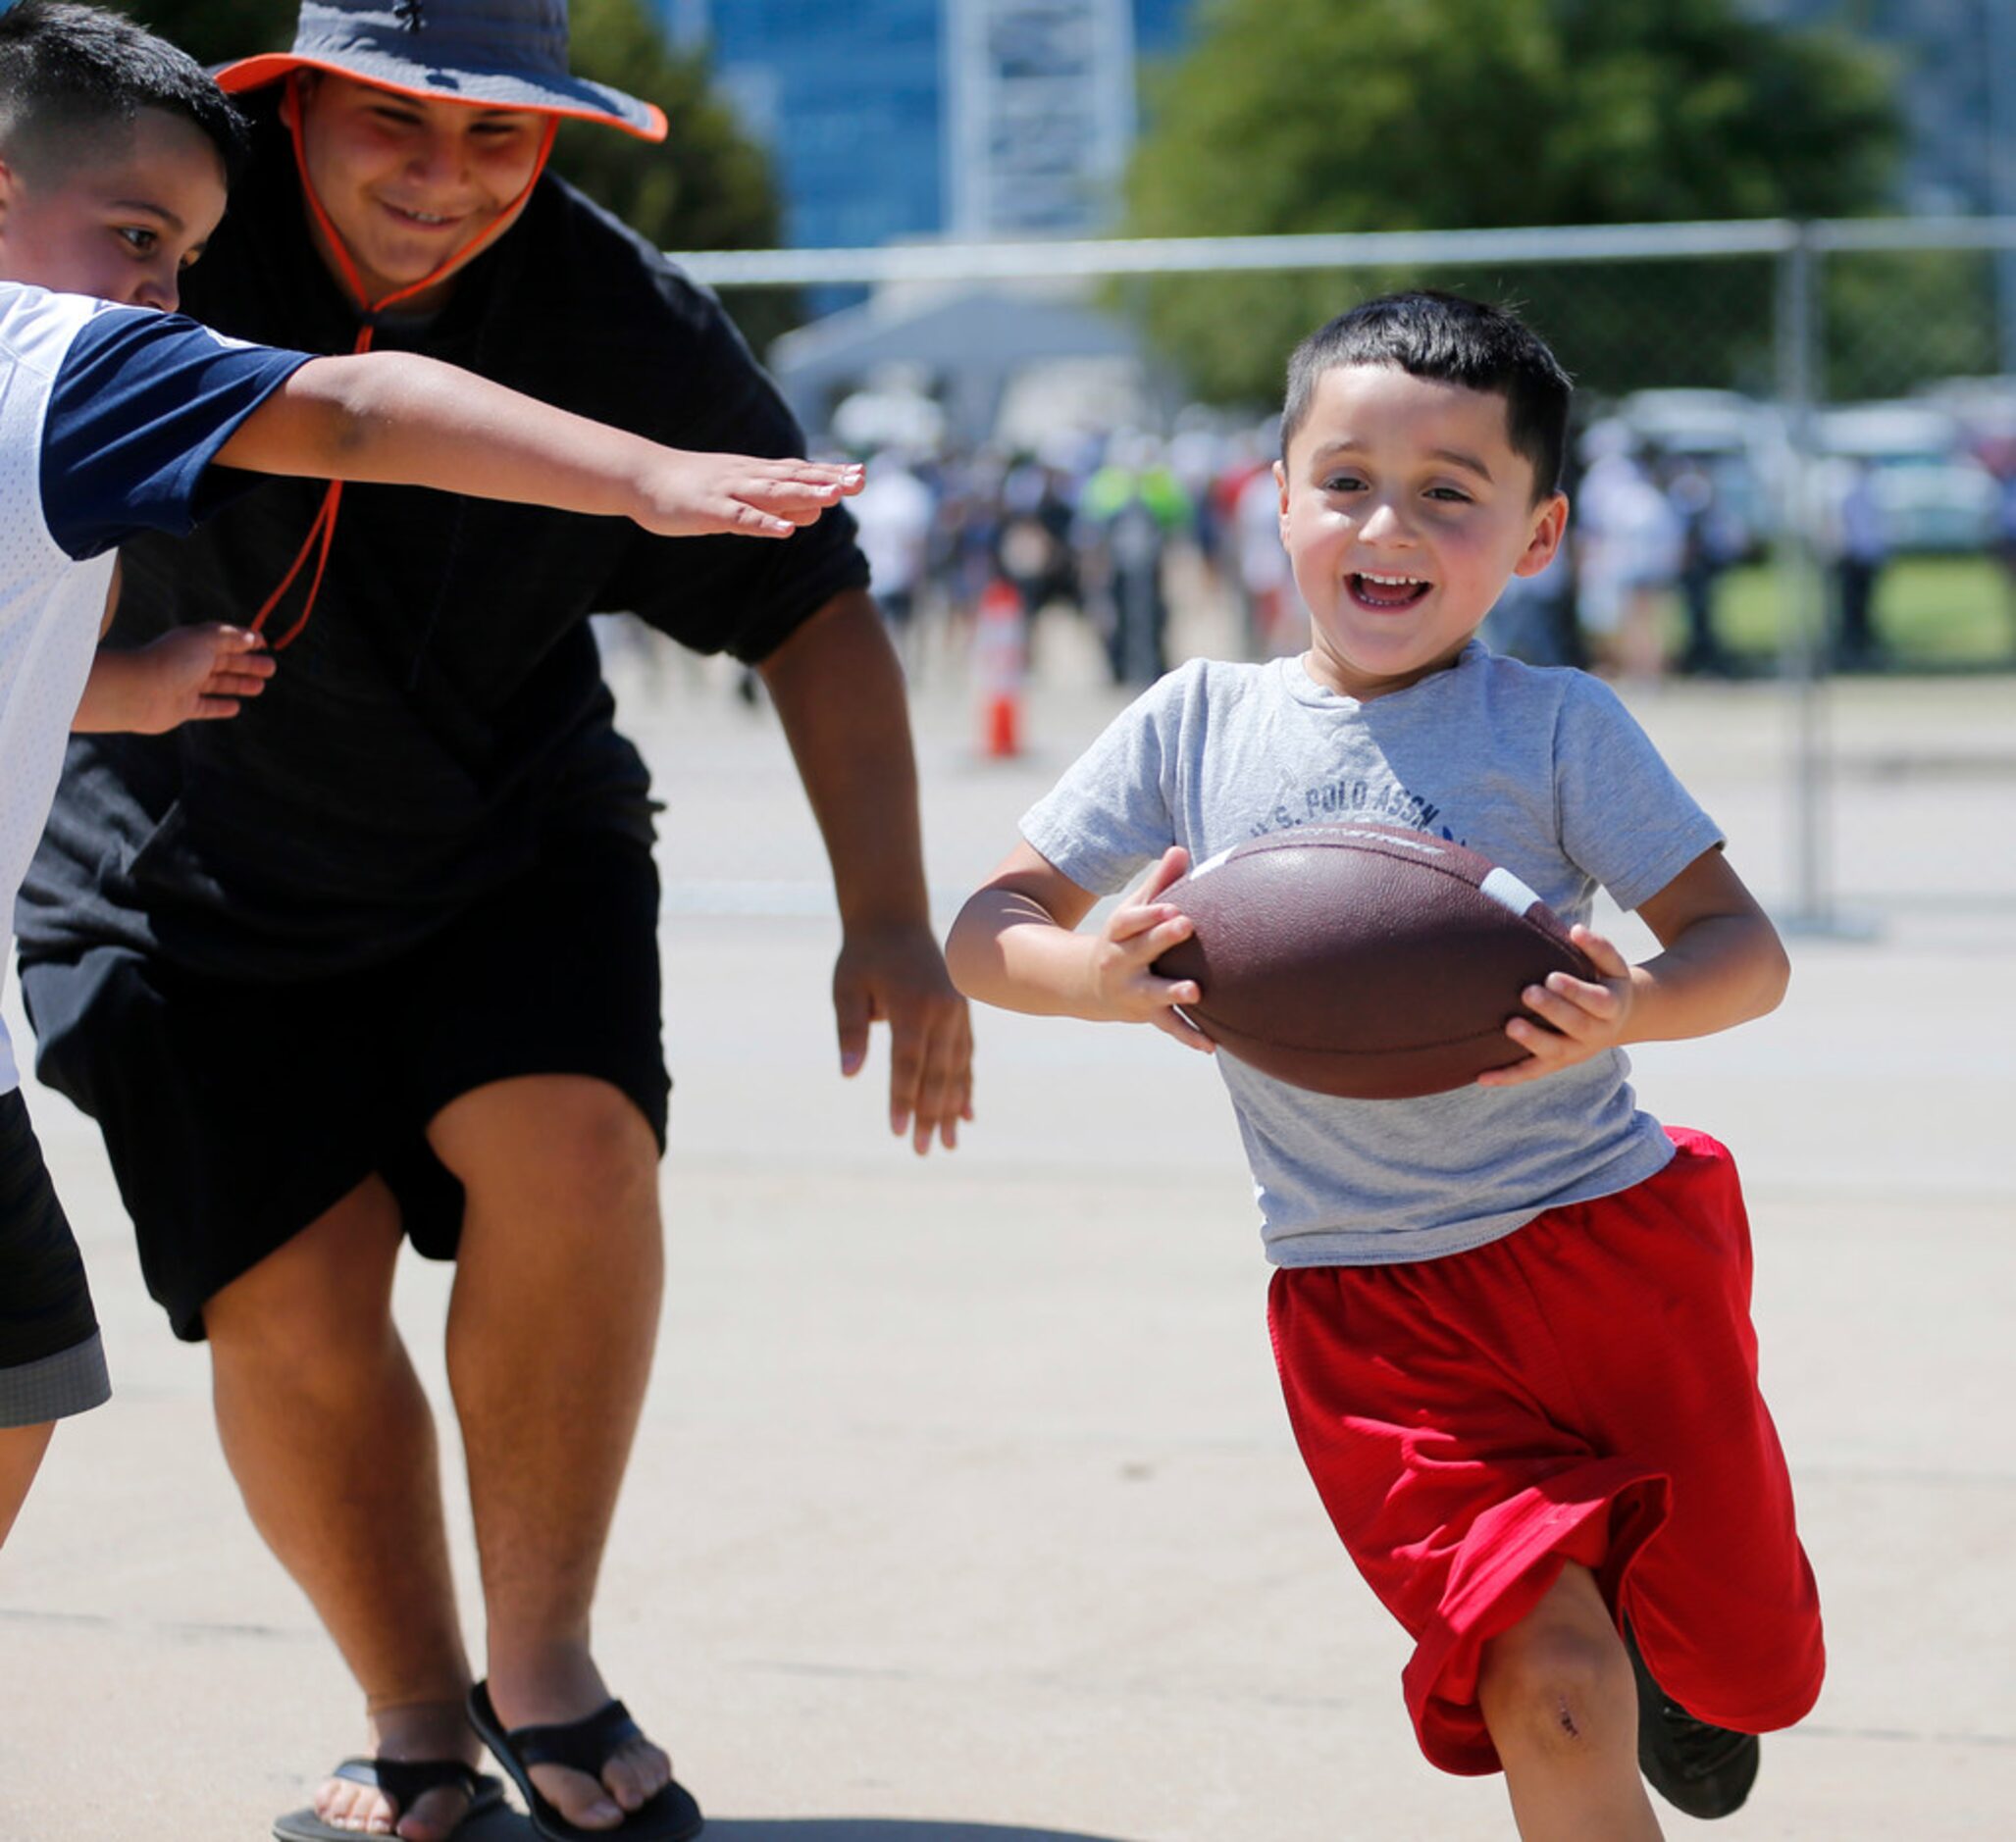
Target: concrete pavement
(965, 1509)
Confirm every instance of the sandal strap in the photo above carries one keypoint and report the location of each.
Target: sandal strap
(406, 1780)
(584, 1745)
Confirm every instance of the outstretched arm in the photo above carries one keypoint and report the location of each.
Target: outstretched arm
(1015, 945)
(1723, 964)
(839, 692)
(397, 419)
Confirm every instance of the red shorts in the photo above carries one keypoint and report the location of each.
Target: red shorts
(1584, 1389)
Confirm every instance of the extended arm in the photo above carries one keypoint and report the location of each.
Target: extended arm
(839, 692)
(1722, 964)
(397, 419)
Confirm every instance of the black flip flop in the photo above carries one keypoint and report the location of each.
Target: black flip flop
(403, 1780)
(584, 1745)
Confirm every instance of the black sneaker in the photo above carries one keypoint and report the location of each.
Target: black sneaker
(1705, 1770)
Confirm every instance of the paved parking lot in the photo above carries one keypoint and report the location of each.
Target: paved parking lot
(965, 1509)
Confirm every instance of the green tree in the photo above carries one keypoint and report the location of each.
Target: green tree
(1293, 116)
(214, 30)
(706, 187)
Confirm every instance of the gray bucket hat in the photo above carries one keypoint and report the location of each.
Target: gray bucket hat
(496, 54)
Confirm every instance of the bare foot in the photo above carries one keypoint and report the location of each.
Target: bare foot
(418, 1730)
(564, 1689)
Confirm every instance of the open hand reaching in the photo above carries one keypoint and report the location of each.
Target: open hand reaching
(695, 495)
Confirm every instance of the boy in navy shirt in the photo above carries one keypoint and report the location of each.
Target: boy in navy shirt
(117, 415)
(1512, 1321)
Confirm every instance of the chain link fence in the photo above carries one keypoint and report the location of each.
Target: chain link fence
(1795, 452)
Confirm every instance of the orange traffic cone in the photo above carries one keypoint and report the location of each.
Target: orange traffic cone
(1004, 726)
(1000, 649)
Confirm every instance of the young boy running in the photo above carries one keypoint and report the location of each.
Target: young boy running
(116, 415)
(1512, 1321)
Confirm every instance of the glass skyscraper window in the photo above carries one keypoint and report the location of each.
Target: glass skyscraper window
(864, 108)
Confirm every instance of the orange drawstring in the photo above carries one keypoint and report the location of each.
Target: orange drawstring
(323, 530)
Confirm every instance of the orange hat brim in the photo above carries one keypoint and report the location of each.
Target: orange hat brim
(501, 91)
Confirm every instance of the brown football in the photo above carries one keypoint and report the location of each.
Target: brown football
(1363, 960)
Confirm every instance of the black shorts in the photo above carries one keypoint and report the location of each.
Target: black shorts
(52, 1363)
(236, 1114)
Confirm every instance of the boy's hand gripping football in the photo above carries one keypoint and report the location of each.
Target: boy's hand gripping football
(1577, 1018)
(1136, 934)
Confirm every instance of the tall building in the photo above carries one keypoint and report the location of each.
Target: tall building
(1039, 114)
(1956, 81)
(1956, 71)
(903, 118)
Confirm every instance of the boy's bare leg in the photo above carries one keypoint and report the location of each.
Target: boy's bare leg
(332, 1442)
(20, 1457)
(1558, 1698)
(550, 1335)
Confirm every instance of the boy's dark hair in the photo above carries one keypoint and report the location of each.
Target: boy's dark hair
(68, 71)
(1432, 334)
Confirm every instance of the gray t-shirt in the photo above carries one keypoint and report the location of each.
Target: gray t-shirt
(1542, 771)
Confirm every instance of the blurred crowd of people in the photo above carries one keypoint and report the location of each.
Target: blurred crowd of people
(1105, 526)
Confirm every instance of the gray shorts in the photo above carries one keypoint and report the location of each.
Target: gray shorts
(52, 1363)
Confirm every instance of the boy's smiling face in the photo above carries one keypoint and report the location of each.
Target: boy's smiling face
(410, 182)
(1404, 510)
(122, 219)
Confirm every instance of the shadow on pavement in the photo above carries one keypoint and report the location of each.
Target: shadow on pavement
(881, 1829)
(507, 1826)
